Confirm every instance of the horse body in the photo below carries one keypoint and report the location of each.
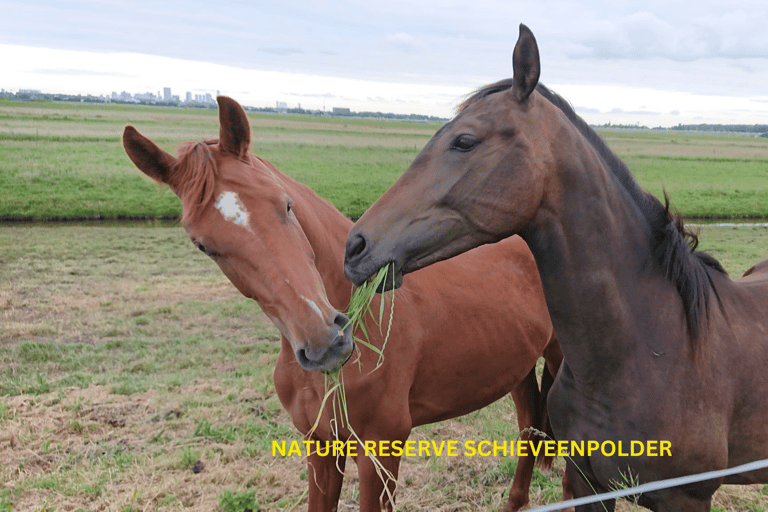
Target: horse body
(444, 334)
(658, 343)
(453, 346)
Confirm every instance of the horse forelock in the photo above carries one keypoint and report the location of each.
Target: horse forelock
(673, 245)
(193, 177)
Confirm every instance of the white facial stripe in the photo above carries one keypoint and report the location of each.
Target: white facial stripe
(233, 209)
(314, 306)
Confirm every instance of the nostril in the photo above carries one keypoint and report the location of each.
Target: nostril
(341, 321)
(356, 246)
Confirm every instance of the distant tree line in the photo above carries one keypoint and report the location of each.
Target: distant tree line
(342, 113)
(761, 129)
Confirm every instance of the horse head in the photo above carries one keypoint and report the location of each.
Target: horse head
(238, 213)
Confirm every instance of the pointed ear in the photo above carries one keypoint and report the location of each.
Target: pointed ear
(150, 159)
(525, 62)
(235, 130)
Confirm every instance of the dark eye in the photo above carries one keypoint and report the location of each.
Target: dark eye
(288, 208)
(464, 143)
(204, 250)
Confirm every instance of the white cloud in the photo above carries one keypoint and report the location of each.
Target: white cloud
(642, 35)
(397, 55)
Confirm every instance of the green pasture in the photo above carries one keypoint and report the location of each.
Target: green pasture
(61, 160)
(133, 376)
(126, 357)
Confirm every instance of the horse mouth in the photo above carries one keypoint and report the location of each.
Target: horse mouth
(335, 355)
(328, 372)
(389, 283)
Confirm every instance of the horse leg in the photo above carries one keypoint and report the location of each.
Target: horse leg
(378, 481)
(694, 498)
(325, 475)
(581, 487)
(526, 398)
(681, 502)
(567, 490)
(553, 357)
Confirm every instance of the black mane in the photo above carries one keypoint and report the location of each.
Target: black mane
(673, 245)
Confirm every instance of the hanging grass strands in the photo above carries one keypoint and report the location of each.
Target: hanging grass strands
(360, 306)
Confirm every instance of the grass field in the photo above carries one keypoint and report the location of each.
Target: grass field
(66, 160)
(126, 357)
(133, 376)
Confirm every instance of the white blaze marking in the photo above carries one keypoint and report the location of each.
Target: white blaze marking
(233, 209)
(314, 306)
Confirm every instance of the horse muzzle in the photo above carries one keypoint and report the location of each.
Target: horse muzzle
(331, 353)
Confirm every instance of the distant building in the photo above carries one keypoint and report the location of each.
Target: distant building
(281, 106)
(167, 94)
(146, 96)
(188, 99)
(337, 111)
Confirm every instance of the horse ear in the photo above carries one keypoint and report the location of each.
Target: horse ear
(235, 130)
(526, 65)
(150, 159)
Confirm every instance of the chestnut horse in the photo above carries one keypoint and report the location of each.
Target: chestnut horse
(452, 348)
(659, 343)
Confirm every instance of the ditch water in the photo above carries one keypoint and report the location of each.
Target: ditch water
(173, 223)
(728, 223)
(94, 223)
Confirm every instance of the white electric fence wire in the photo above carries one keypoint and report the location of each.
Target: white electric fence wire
(655, 486)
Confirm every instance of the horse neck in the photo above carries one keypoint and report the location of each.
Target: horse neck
(590, 243)
(326, 229)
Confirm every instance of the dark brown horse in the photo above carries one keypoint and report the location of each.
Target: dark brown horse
(451, 350)
(659, 343)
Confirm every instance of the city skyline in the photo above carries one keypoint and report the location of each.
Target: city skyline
(652, 64)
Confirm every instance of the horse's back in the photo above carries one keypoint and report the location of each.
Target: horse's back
(759, 271)
(738, 327)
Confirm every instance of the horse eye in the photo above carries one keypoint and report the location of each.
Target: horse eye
(289, 206)
(211, 254)
(464, 143)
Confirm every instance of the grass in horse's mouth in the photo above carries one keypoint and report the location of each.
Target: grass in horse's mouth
(360, 305)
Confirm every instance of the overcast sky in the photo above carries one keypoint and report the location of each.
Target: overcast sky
(654, 63)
